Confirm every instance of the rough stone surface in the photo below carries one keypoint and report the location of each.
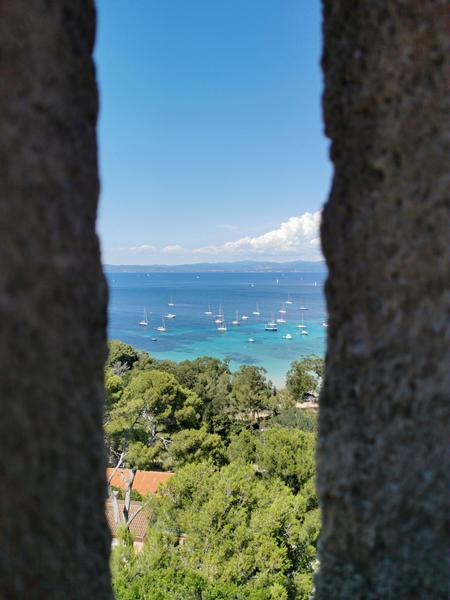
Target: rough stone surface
(54, 539)
(382, 463)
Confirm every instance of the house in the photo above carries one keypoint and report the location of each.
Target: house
(138, 525)
(145, 482)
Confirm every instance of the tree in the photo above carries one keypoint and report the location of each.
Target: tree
(114, 386)
(304, 377)
(192, 446)
(237, 529)
(242, 447)
(251, 392)
(292, 417)
(152, 407)
(122, 354)
(287, 454)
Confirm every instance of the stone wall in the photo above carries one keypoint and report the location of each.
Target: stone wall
(382, 467)
(54, 540)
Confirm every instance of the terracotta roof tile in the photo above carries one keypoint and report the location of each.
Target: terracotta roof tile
(139, 524)
(145, 482)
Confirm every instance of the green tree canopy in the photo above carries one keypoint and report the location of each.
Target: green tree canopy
(152, 407)
(194, 446)
(236, 527)
(287, 454)
(251, 391)
(121, 353)
(304, 377)
(114, 386)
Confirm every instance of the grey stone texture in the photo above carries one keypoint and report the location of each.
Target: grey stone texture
(54, 541)
(382, 459)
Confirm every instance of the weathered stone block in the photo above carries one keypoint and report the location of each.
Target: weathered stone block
(382, 459)
(54, 539)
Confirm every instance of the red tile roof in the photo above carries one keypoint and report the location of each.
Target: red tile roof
(145, 482)
(139, 524)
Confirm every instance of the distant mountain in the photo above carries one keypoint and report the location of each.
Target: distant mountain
(243, 266)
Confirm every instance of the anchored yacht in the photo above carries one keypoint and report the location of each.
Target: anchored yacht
(144, 322)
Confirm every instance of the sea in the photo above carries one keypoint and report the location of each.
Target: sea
(192, 333)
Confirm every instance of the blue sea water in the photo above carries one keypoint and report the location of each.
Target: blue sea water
(192, 333)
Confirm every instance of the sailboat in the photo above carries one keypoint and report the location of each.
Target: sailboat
(219, 317)
(209, 311)
(288, 301)
(302, 307)
(171, 302)
(144, 321)
(162, 327)
(222, 326)
(281, 320)
(282, 311)
(271, 326)
(244, 317)
(301, 325)
(171, 315)
(288, 336)
(256, 311)
(236, 320)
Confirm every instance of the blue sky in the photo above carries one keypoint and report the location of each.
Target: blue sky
(210, 132)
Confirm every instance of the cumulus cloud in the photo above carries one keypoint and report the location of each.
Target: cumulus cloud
(296, 238)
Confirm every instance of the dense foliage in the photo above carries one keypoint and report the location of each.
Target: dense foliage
(239, 519)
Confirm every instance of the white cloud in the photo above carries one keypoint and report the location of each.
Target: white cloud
(142, 248)
(296, 238)
(174, 249)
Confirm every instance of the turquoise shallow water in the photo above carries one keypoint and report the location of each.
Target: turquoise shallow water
(192, 333)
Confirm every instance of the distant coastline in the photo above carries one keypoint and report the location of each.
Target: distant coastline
(246, 266)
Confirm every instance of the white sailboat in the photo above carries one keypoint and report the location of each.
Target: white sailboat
(222, 326)
(282, 311)
(162, 327)
(288, 301)
(251, 340)
(271, 326)
(281, 320)
(244, 317)
(171, 302)
(236, 320)
(256, 311)
(303, 330)
(301, 325)
(219, 317)
(209, 311)
(171, 315)
(288, 336)
(144, 322)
